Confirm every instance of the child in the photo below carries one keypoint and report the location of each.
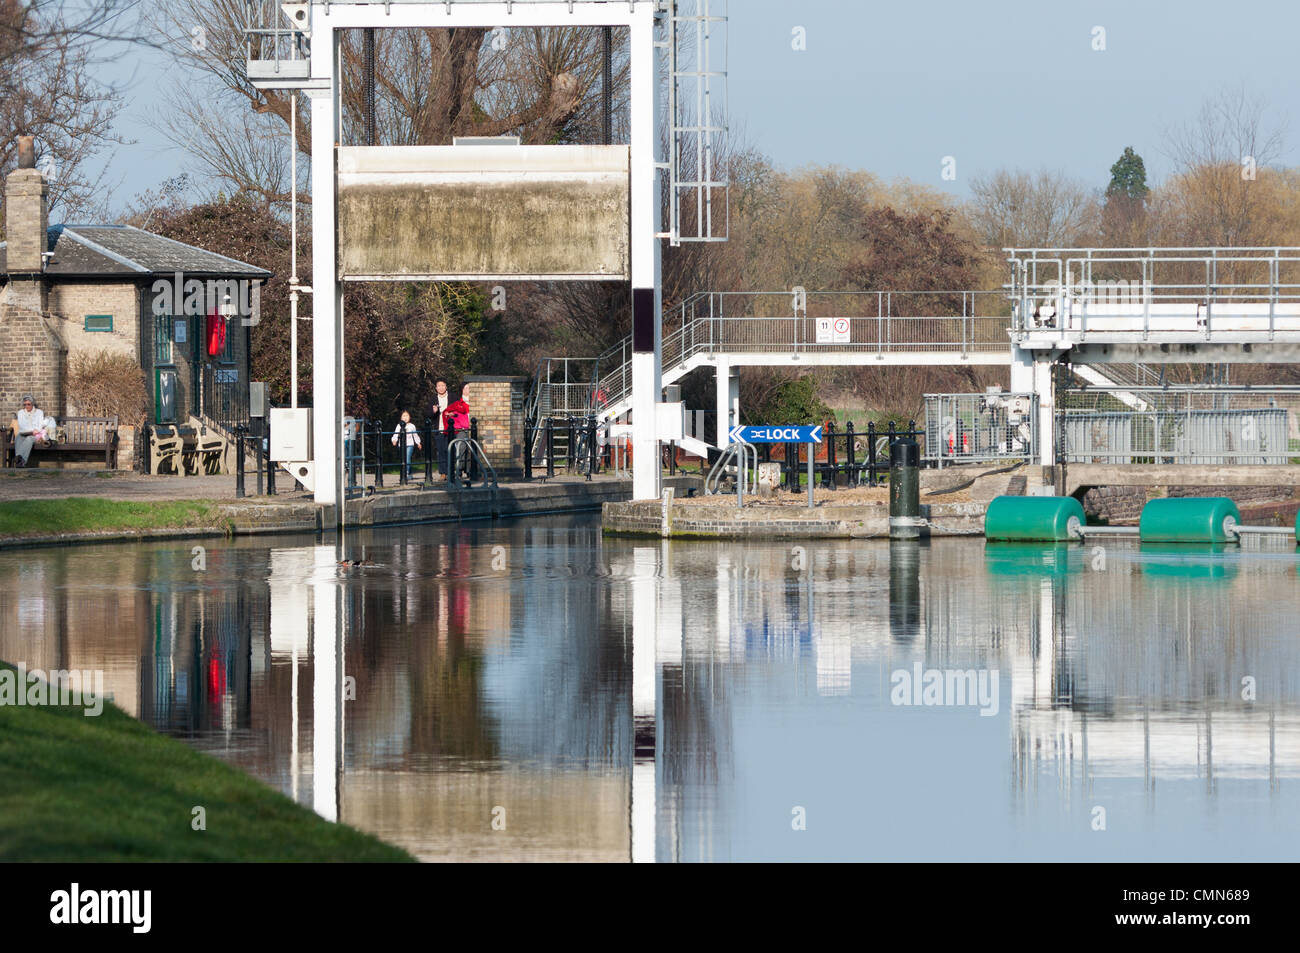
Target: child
(410, 440)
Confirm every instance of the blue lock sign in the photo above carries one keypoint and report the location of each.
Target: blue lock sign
(809, 433)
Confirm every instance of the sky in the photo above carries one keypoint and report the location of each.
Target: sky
(896, 88)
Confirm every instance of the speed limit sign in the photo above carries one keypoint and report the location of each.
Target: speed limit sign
(841, 330)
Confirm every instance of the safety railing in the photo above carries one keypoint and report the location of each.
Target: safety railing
(739, 463)
(1142, 291)
(468, 463)
(1180, 425)
(572, 443)
(780, 322)
(374, 455)
(275, 49)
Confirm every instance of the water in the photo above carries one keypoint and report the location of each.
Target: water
(1125, 702)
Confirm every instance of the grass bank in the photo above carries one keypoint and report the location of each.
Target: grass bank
(84, 514)
(109, 788)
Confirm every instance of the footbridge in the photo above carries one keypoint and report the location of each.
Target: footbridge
(1109, 315)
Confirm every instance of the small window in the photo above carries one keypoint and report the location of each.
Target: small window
(162, 339)
(99, 322)
(164, 397)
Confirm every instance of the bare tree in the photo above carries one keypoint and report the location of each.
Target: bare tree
(430, 85)
(51, 95)
(1214, 196)
(1014, 208)
(28, 26)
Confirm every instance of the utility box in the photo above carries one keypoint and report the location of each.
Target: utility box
(291, 434)
(257, 402)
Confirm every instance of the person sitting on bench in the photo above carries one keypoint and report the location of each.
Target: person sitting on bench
(33, 428)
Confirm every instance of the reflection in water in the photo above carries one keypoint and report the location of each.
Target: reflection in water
(538, 692)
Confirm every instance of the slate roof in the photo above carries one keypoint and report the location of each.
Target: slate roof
(97, 251)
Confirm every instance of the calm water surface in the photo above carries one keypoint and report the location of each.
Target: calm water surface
(537, 692)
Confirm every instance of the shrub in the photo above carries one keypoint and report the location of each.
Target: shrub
(108, 384)
(792, 402)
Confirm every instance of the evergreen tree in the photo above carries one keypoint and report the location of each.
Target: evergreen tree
(1128, 176)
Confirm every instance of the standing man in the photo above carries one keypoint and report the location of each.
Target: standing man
(440, 436)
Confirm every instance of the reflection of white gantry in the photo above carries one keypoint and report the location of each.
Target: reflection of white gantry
(502, 211)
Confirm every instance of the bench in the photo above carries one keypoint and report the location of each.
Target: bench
(185, 450)
(76, 435)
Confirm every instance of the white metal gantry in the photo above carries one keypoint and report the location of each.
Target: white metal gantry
(295, 46)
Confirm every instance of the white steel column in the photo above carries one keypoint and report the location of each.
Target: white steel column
(1022, 370)
(647, 258)
(1046, 411)
(327, 294)
(722, 401)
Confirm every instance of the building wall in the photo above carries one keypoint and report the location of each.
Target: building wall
(70, 302)
(31, 362)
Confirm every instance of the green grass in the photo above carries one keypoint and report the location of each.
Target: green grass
(108, 788)
(80, 514)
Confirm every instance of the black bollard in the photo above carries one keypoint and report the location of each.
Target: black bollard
(239, 460)
(905, 489)
(261, 463)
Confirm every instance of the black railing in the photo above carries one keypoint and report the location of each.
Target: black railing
(571, 443)
(253, 441)
(853, 457)
(372, 458)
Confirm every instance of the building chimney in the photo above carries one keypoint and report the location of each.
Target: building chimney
(27, 220)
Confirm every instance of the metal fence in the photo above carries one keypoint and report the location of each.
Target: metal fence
(980, 428)
(1209, 425)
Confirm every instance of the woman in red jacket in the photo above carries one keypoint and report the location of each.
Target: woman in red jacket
(456, 421)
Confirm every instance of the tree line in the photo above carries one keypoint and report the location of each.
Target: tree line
(820, 228)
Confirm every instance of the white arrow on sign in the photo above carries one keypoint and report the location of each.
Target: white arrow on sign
(735, 435)
(816, 434)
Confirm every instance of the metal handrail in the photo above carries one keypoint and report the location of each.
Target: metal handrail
(739, 452)
(460, 445)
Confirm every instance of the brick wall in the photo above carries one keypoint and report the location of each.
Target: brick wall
(497, 404)
(32, 361)
(1123, 504)
(70, 302)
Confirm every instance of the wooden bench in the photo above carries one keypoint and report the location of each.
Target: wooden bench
(186, 450)
(76, 435)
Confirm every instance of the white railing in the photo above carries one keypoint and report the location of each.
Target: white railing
(785, 322)
(1133, 293)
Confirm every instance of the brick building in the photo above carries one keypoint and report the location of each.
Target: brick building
(183, 313)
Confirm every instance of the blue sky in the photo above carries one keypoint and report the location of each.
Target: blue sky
(895, 87)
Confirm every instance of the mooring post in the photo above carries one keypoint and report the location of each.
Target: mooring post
(239, 460)
(904, 489)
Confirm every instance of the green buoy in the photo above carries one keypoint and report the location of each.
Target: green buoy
(1039, 518)
(1189, 519)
